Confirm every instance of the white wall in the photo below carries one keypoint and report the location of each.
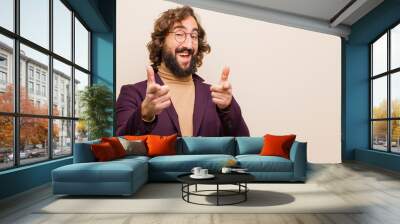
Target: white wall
(286, 80)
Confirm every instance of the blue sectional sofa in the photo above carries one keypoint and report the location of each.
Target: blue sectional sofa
(125, 176)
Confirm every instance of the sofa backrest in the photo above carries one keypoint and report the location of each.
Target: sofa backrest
(83, 152)
(249, 145)
(206, 145)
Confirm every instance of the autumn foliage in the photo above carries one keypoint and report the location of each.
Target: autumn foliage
(33, 131)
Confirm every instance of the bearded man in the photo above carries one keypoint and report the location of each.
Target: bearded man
(174, 99)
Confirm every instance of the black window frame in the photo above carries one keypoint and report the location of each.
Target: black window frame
(16, 114)
(388, 74)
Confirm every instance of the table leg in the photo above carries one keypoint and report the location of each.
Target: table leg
(196, 188)
(245, 191)
(217, 194)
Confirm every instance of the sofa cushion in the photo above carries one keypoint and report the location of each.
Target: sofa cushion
(83, 152)
(133, 147)
(185, 163)
(249, 145)
(208, 145)
(116, 145)
(277, 145)
(111, 171)
(103, 152)
(257, 163)
(159, 145)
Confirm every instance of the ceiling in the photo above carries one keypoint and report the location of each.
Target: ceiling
(326, 16)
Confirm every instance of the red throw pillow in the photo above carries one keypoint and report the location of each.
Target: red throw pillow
(277, 145)
(136, 137)
(161, 145)
(103, 151)
(116, 145)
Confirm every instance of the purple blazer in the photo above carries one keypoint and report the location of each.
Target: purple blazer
(208, 120)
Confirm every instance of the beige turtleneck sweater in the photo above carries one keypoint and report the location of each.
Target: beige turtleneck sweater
(182, 93)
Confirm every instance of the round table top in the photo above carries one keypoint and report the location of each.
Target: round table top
(220, 178)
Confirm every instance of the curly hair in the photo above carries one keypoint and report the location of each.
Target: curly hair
(163, 25)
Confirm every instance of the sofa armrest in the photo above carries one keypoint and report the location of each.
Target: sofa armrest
(298, 155)
(83, 152)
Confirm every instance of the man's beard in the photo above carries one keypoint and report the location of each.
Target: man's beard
(172, 64)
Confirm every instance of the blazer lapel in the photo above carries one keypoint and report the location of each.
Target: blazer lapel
(200, 103)
(171, 109)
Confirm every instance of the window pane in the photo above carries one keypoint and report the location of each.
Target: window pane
(379, 55)
(81, 45)
(62, 138)
(395, 47)
(395, 136)
(34, 77)
(379, 100)
(81, 131)
(7, 14)
(62, 29)
(62, 89)
(379, 135)
(395, 94)
(33, 140)
(35, 21)
(6, 74)
(81, 81)
(6, 142)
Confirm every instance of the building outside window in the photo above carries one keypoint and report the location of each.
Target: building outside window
(34, 77)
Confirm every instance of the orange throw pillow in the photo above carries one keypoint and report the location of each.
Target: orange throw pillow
(277, 145)
(116, 145)
(103, 151)
(161, 145)
(136, 137)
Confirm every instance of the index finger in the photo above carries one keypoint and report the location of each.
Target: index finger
(150, 75)
(225, 74)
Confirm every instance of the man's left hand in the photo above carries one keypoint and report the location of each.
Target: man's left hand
(222, 93)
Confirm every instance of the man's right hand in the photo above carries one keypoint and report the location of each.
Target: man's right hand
(157, 97)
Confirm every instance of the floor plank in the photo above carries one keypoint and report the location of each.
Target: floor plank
(377, 190)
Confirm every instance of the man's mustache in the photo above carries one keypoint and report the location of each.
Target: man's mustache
(183, 49)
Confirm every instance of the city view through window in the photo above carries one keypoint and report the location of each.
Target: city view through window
(385, 91)
(41, 78)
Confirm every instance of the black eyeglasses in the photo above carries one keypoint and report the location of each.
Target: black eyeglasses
(180, 36)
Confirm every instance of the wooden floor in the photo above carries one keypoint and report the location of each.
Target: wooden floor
(377, 188)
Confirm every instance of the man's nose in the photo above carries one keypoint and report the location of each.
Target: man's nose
(188, 43)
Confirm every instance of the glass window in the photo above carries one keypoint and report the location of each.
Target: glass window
(35, 21)
(395, 136)
(30, 72)
(34, 79)
(385, 88)
(81, 81)
(34, 145)
(63, 72)
(6, 142)
(62, 29)
(379, 55)
(81, 45)
(3, 60)
(7, 14)
(37, 89)
(395, 47)
(6, 73)
(379, 98)
(62, 137)
(395, 95)
(81, 131)
(379, 135)
(30, 87)
(40, 62)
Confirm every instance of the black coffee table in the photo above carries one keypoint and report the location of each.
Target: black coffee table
(239, 179)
